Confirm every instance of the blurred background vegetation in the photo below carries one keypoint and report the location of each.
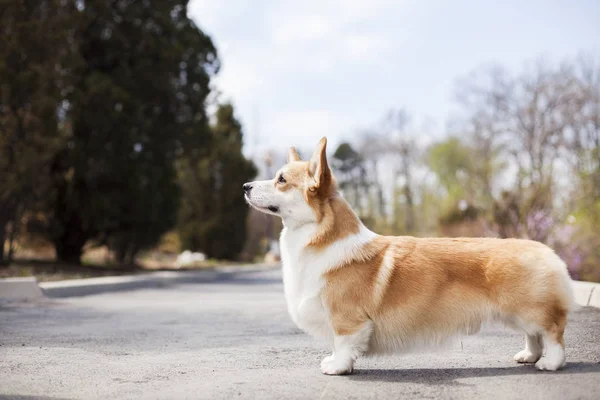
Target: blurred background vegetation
(116, 151)
(105, 139)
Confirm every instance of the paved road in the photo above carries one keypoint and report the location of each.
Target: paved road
(233, 339)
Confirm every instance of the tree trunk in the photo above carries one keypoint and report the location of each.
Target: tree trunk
(133, 250)
(11, 241)
(410, 209)
(70, 232)
(69, 247)
(2, 239)
(6, 212)
(396, 209)
(126, 251)
(381, 202)
(120, 250)
(69, 253)
(408, 193)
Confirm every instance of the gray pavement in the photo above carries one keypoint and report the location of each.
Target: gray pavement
(232, 338)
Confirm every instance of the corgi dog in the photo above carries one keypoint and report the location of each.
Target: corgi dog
(368, 294)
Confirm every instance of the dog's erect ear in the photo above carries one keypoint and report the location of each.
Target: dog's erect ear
(292, 155)
(318, 166)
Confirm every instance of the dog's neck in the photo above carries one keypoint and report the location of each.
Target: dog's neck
(337, 221)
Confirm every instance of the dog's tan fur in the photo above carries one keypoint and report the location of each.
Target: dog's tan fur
(410, 290)
(439, 285)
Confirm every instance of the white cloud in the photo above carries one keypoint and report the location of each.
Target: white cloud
(300, 29)
(307, 126)
(296, 39)
(364, 47)
(326, 29)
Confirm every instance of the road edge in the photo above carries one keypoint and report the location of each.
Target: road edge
(29, 288)
(20, 289)
(587, 293)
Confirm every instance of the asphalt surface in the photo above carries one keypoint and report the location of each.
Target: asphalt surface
(233, 339)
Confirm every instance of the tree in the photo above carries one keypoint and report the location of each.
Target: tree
(135, 101)
(213, 212)
(373, 146)
(30, 76)
(351, 174)
(452, 164)
(403, 148)
(583, 141)
(578, 242)
(527, 117)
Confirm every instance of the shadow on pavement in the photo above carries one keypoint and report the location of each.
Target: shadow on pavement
(445, 376)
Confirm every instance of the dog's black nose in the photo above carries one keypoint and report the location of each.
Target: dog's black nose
(247, 187)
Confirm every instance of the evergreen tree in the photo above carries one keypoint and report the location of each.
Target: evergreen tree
(351, 174)
(135, 101)
(213, 212)
(31, 74)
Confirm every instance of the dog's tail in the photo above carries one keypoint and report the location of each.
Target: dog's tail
(567, 285)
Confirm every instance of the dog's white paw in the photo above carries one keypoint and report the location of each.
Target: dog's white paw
(526, 356)
(331, 366)
(327, 359)
(550, 364)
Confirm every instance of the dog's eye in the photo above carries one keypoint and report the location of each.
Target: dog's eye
(281, 179)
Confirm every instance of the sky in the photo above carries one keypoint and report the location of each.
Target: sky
(299, 70)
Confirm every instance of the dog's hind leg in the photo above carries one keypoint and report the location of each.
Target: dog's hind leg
(533, 349)
(554, 343)
(347, 348)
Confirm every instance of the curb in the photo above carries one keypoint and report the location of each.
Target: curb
(587, 293)
(89, 286)
(28, 288)
(19, 289)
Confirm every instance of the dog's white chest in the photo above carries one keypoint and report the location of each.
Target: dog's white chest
(303, 282)
(303, 274)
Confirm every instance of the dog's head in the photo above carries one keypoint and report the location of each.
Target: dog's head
(298, 190)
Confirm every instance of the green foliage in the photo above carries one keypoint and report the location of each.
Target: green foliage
(212, 216)
(135, 101)
(347, 158)
(451, 161)
(465, 174)
(587, 217)
(350, 174)
(98, 101)
(30, 76)
(587, 240)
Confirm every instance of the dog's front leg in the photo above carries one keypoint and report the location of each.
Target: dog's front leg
(346, 350)
(311, 316)
(332, 355)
